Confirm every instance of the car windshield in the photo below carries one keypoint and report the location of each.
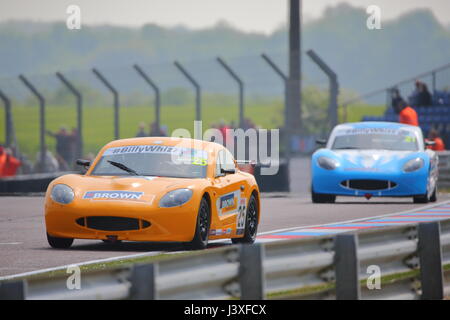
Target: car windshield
(152, 160)
(396, 140)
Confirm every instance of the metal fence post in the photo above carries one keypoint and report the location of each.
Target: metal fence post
(241, 89)
(198, 107)
(347, 267)
(251, 272)
(43, 147)
(79, 99)
(430, 255)
(334, 88)
(143, 282)
(157, 94)
(116, 101)
(8, 118)
(294, 87)
(16, 290)
(283, 77)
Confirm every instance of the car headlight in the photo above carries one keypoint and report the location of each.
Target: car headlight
(327, 163)
(62, 193)
(413, 165)
(175, 198)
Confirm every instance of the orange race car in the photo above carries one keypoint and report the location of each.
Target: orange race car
(155, 189)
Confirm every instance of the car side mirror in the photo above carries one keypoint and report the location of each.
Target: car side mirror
(321, 142)
(227, 171)
(84, 163)
(429, 143)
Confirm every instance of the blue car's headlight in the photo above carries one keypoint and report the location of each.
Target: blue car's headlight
(413, 165)
(175, 198)
(327, 163)
(62, 193)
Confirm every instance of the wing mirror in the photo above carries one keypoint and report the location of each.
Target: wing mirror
(321, 142)
(84, 163)
(429, 143)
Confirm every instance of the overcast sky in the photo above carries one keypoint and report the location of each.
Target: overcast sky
(248, 15)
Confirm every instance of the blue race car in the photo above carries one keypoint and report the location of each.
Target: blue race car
(374, 159)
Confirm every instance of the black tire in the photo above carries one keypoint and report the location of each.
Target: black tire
(421, 199)
(433, 197)
(322, 197)
(111, 241)
(251, 223)
(59, 243)
(200, 240)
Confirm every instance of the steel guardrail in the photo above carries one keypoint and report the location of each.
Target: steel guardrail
(410, 259)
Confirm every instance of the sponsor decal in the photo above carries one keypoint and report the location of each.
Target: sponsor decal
(113, 195)
(219, 232)
(160, 149)
(227, 201)
(359, 131)
(182, 155)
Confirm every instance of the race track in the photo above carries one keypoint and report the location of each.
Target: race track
(24, 248)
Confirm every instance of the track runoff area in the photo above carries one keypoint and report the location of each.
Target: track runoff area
(24, 249)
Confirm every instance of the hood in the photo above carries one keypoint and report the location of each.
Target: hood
(372, 158)
(123, 186)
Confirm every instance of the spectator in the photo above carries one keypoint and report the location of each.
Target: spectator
(407, 115)
(50, 162)
(157, 131)
(74, 140)
(63, 148)
(8, 163)
(424, 96)
(225, 130)
(439, 145)
(396, 97)
(141, 131)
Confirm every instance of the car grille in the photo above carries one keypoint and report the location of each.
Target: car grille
(113, 223)
(368, 184)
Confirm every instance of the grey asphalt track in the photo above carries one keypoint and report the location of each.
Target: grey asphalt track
(24, 248)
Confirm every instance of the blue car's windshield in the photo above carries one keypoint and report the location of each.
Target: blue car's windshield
(403, 141)
(152, 160)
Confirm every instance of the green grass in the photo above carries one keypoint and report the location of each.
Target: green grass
(355, 112)
(98, 121)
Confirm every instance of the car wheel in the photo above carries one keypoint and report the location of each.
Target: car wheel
(251, 223)
(421, 199)
(200, 240)
(433, 196)
(59, 243)
(322, 197)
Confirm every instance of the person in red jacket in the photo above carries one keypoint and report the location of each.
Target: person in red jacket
(439, 145)
(407, 115)
(8, 163)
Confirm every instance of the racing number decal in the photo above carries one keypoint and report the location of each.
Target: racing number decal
(241, 217)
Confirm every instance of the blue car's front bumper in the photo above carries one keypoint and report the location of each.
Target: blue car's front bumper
(334, 182)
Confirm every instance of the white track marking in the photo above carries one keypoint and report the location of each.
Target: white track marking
(355, 220)
(133, 256)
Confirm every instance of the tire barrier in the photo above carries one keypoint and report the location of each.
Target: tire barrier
(28, 183)
(273, 183)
